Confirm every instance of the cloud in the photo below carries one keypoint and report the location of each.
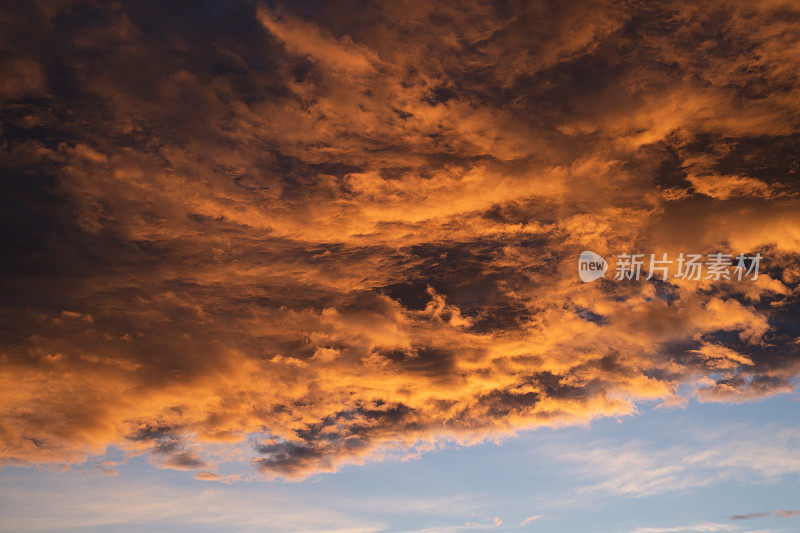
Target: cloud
(530, 519)
(695, 528)
(639, 469)
(764, 514)
(21, 77)
(786, 514)
(750, 516)
(307, 39)
(139, 505)
(310, 240)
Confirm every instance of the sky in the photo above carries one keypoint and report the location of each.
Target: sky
(315, 266)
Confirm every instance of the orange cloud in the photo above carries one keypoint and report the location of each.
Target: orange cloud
(316, 240)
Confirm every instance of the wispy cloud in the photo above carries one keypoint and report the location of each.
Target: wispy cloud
(765, 514)
(530, 519)
(695, 528)
(136, 505)
(642, 468)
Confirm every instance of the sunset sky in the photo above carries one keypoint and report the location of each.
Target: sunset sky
(313, 266)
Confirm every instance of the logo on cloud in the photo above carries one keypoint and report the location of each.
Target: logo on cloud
(591, 266)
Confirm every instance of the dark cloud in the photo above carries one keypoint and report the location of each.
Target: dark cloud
(316, 231)
(750, 516)
(764, 514)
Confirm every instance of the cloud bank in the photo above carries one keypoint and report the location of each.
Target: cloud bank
(321, 232)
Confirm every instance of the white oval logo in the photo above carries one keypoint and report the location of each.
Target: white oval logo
(591, 266)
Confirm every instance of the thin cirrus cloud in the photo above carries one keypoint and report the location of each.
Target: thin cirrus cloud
(83, 505)
(530, 519)
(322, 233)
(703, 527)
(764, 514)
(713, 456)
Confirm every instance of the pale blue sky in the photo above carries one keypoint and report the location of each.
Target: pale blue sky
(663, 470)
